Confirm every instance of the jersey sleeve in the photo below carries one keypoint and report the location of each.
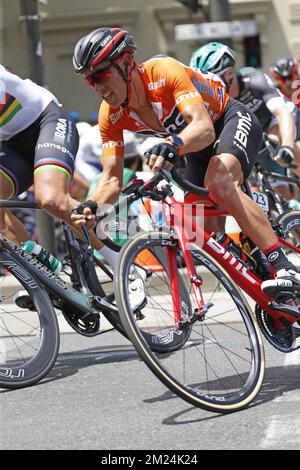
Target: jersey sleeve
(263, 88)
(111, 135)
(179, 83)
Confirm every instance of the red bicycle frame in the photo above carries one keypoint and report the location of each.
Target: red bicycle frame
(244, 278)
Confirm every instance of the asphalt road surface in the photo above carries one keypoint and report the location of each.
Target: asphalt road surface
(101, 396)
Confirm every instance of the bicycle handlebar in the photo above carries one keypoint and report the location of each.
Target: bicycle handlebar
(186, 185)
(18, 204)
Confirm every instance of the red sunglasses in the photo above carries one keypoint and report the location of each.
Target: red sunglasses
(100, 76)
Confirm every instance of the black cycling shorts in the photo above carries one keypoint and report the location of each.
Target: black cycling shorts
(51, 141)
(238, 132)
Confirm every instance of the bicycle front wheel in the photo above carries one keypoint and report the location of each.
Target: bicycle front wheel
(29, 334)
(220, 365)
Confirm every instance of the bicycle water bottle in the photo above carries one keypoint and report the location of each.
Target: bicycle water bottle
(33, 248)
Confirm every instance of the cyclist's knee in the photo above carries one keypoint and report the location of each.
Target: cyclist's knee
(221, 188)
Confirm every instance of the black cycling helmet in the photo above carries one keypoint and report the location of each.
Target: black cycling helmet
(103, 45)
(285, 68)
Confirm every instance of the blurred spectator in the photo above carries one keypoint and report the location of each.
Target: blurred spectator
(88, 161)
(84, 126)
(74, 115)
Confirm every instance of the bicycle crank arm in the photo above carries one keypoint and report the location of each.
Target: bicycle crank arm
(102, 303)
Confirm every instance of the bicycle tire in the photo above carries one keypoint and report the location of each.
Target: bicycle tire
(24, 370)
(290, 220)
(159, 343)
(252, 353)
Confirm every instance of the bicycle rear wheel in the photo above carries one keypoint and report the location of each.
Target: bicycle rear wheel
(220, 365)
(29, 334)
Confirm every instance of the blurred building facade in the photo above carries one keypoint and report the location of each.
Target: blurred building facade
(152, 23)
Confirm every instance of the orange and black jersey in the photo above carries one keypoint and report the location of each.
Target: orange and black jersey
(170, 87)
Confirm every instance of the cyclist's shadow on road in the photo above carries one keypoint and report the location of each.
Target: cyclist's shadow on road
(278, 382)
(70, 363)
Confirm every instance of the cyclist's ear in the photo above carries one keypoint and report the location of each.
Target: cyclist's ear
(128, 63)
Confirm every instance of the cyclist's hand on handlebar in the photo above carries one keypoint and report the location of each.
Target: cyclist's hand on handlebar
(163, 155)
(285, 156)
(85, 213)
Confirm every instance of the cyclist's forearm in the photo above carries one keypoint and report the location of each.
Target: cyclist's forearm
(197, 136)
(108, 190)
(286, 126)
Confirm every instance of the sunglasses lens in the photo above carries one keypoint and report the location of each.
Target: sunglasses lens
(99, 77)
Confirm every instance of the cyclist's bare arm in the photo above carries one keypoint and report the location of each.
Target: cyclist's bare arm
(108, 188)
(199, 132)
(286, 125)
(197, 135)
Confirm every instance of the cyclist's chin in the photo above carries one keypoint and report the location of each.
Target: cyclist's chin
(113, 100)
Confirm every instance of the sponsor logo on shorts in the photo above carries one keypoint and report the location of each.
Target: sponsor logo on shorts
(51, 145)
(61, 128)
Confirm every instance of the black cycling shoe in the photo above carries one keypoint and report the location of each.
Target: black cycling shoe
(286, 283)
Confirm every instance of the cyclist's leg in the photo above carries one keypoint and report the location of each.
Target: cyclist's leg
(55, 152)
(197, 164)
(236, 149)
(15, 177)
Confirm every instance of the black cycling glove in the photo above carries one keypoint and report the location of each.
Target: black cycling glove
(90, 204)
(165, 150)
(286, 154)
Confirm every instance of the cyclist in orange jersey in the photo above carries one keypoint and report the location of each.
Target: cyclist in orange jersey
(194, 116)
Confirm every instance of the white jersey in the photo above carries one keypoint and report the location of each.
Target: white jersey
(21, 103)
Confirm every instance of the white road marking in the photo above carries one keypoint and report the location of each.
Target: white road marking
(283, 430)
